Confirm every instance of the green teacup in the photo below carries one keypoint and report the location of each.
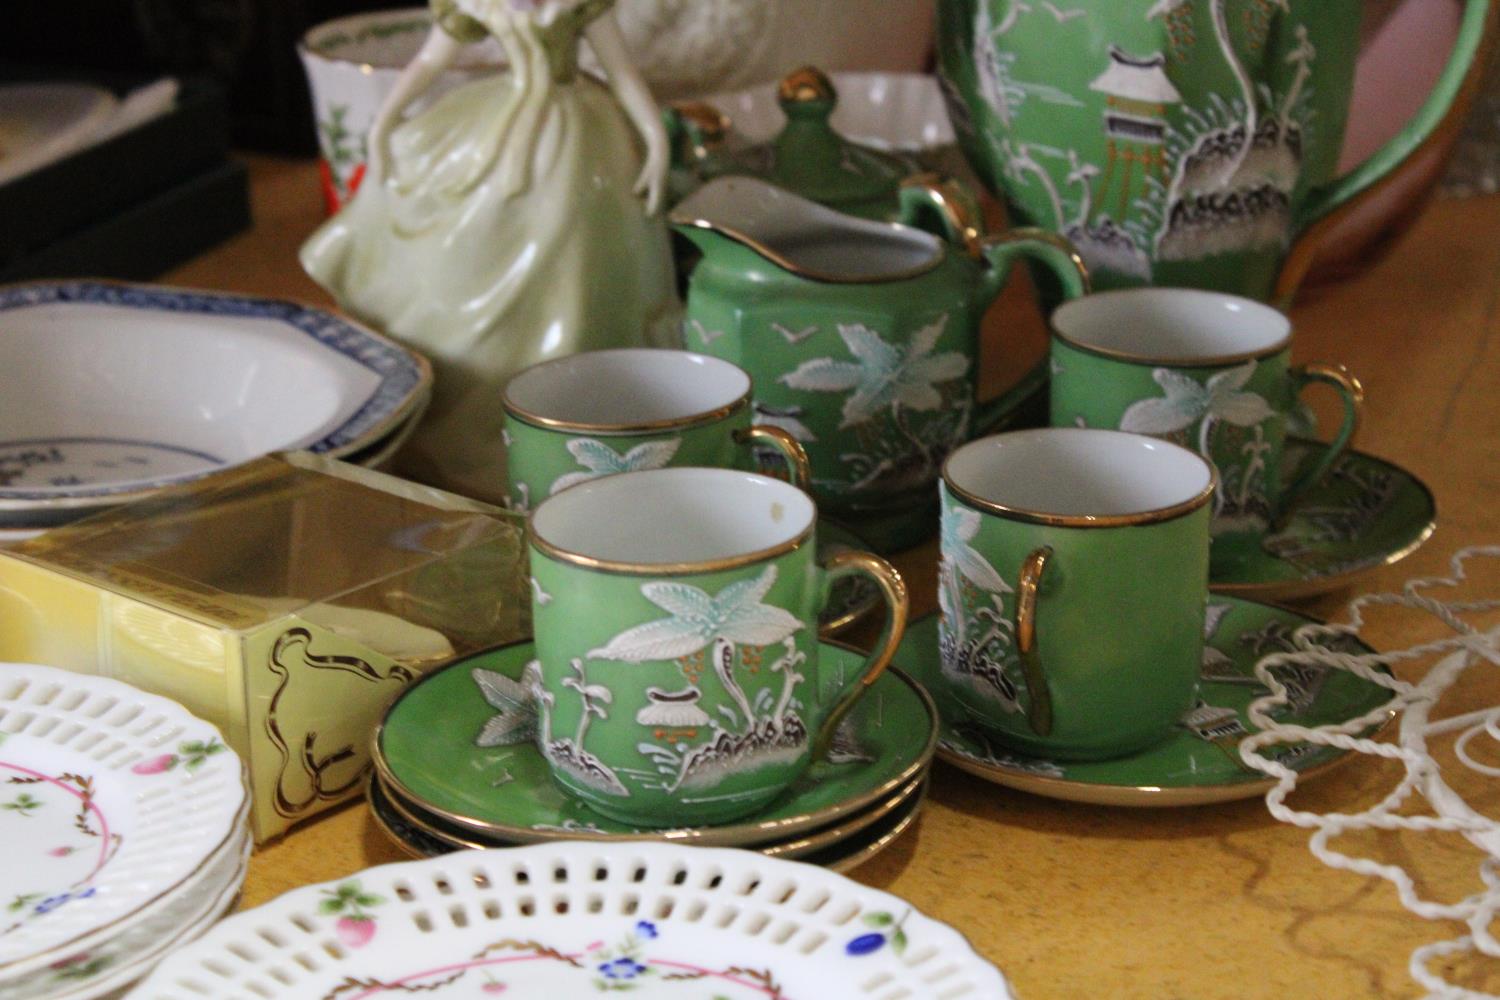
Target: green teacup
(676, 616)
(1073, 583)
(580, 417)
(1208, 371)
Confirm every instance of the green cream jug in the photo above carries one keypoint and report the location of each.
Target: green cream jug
(861, 337)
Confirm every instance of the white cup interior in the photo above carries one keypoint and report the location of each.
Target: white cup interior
(1072, 472)
(627, 388)
(387, 40)
(1171, 324)
(674, 516)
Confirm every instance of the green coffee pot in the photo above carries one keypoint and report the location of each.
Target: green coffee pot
(861, 337)
(1187, 143)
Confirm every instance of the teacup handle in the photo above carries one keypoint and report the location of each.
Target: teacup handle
(944, 208)
(1039, 713)
(798, 468)
(893, 588)
(1354, 396)
(1000, 252)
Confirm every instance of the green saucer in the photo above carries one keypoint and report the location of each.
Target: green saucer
(1200, 764)
(425, 752)
(842, 856)
(453, 837)
(1366, 513)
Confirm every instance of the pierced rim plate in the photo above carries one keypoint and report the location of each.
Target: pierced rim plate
(572, 918)
(1366, 513)
(376, 381)
(1200, 764)
(111, 802)
(101, 970)
(507, 793)
(796, 846)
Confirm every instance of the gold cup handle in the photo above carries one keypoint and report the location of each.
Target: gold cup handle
(893, 588)
(943, 207)
(1352, 394)
(1039, 713)
(798, 468)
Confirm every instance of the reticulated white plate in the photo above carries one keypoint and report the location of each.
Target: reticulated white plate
(566, 920)
(105, 967)
(111, 800)
(109, 391)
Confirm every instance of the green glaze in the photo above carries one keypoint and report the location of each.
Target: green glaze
(808, 156)
(1235, 415)
(427, 744)
(812, 159)
(1364, 514)
(1200, 762)
(543, 460)
(613, 720)
(875, 378)
(1119, 622)
(842, 856)
(1122, 124)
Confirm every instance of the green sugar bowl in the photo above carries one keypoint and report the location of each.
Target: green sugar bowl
(861, 337)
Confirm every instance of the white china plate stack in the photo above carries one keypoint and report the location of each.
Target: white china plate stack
(123, 825)
(571, 919)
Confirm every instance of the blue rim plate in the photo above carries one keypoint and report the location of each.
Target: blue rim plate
(378, 385)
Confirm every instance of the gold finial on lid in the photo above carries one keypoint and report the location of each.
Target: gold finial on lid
(807, 84)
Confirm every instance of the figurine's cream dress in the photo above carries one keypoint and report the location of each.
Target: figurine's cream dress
(507, 233)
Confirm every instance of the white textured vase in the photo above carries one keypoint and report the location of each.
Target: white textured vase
(690, 48)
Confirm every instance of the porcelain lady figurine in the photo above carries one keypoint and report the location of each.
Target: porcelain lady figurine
(512, 221)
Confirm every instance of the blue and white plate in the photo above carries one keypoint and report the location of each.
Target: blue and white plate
(109, 391)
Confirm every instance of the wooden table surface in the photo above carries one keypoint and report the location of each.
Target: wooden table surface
(1213, 901)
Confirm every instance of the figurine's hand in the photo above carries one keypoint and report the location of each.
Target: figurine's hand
(653, 179)
(378, 152)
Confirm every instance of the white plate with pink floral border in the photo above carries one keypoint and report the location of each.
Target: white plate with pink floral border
(573, 919)
(112, 803)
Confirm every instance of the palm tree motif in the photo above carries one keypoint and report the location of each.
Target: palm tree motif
(979, 655)
(737, 614)
(883, 375)
(958, 527)
(1188, 401)
(516, 718)
(698, 621)
(592, 695)
(599, 459)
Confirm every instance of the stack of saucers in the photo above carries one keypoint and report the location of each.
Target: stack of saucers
(569, 920)
(123, 820)
(443, 783)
